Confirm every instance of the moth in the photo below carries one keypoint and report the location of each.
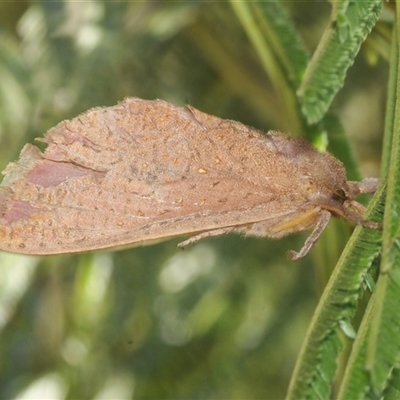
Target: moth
(144, 171)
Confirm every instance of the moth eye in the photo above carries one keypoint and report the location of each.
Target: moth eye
(339, 195)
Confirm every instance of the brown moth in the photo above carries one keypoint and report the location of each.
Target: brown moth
(148, 170)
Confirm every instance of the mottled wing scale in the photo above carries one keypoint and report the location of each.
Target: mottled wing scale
(141, 171)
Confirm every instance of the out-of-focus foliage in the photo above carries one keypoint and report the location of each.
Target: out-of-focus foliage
(226, 317)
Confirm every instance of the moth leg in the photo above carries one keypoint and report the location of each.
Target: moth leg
(360, 209)
(312, 239)
(203, 235)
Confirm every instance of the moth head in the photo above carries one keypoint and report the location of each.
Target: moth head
(326, 184)
(342, 203)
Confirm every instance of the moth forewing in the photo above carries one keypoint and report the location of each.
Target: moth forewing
(148, 170)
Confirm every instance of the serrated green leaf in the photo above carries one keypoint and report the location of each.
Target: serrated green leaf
(335, 54)
(384, 350)
(390, 107)
(355, 383)
(392, 390)
(313, 373)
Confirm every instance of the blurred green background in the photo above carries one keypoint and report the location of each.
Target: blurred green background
(223, 319)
